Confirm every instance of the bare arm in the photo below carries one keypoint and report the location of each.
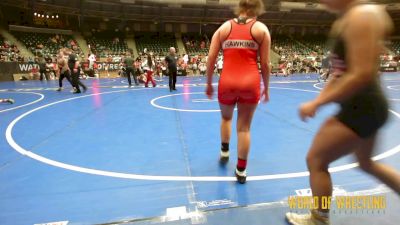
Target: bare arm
(265, 57)
(77, 63)
(219, 36)
(212, 55)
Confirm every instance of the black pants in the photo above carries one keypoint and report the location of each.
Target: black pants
(44, 73)
(172, 79)
(62, 76)
(76, 82)
(91, 73)
(129, 71)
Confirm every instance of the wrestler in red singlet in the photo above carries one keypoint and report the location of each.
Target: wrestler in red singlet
(242, 40)
(240, 78)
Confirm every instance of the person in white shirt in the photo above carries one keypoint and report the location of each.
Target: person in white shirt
(203, 69)
(186, 59)
(220, 65)
(92, 60)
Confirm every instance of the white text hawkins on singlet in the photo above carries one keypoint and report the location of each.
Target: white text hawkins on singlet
(242, 44)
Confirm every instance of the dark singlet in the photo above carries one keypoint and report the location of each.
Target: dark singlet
(72, 60)
(367, 110)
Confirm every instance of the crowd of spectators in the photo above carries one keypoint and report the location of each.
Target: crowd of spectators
(295, 55)
(9, 52)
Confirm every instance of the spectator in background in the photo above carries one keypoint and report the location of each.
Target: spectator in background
(163, 70)
(220, 65)
(34, 73)
(202, 68)
(50, 71)
(109, 59)
(186, 58)
(72, 43)
(6, 44)
(203, 44)
(92, 60)
(116, 58)
(116, 41)
(194, 68)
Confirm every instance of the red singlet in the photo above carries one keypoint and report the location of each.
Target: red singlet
(240, 78)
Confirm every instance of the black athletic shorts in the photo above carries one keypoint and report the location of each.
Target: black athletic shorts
(365, 112)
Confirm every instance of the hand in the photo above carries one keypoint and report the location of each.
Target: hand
(209, 91)
(75, 70)
(265, 95)
(307, 109)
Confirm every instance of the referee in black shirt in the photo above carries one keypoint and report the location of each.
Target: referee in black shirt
(42, 69)
(128, 63)
(172, 69)
(74, 66)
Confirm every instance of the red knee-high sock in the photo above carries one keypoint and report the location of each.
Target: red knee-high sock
(241, 165)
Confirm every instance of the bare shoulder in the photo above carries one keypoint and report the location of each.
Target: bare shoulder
(259, 31)
(367, 13)
(223, 31)
(370, 15)
(225, 25)
(261, 26)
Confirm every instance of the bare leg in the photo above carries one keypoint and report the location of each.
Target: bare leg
(226, 122)
(245, 116)
(332, 141)
(384, 173)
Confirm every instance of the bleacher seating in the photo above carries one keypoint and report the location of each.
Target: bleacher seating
(303, 47)
(9, 51)
(318, 44)
(155, 42)
(196, 44)
(46, 44)
(105, 46)
(284, 45)
(395, 46)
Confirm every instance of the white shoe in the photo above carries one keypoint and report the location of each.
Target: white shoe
(305, 219)
(224, 157)
(224, 154)
(241, 176)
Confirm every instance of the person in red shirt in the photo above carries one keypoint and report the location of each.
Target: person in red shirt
(242, 39)
(35, 73)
